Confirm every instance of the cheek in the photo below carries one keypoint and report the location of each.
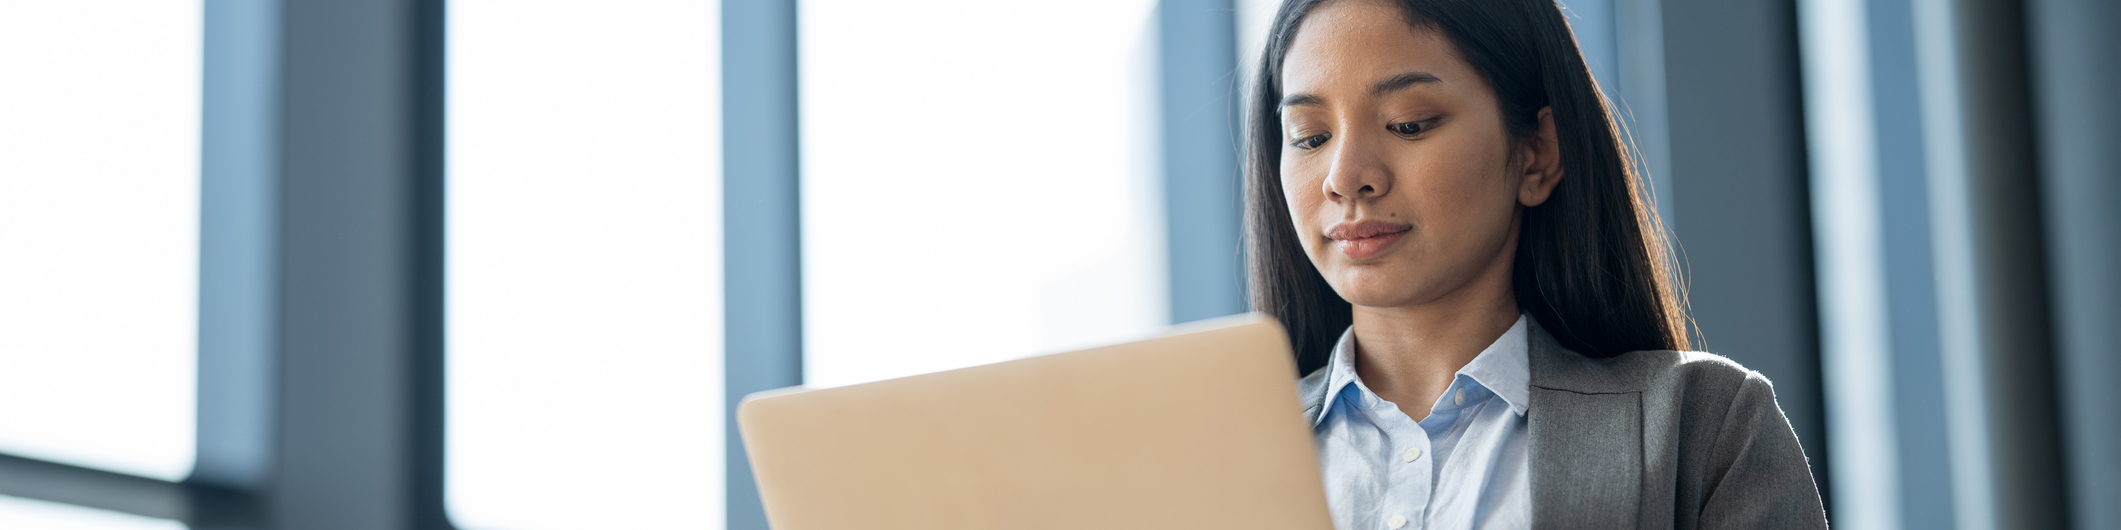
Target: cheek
(1301, 189)
(1462, 189)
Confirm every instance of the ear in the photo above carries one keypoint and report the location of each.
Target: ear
(1541, 154)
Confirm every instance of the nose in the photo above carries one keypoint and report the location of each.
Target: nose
(1358, 171)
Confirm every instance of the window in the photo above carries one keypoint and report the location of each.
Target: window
(584, 265)
(99, 232)
(979, 182)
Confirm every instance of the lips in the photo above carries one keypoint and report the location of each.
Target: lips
(1367, 238)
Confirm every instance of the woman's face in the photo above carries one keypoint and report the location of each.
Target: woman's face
(1395, 163)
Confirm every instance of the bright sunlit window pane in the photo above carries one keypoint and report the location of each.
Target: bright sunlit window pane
(99, 233)
(1254, 19)
(978, 182)
(584, 281)
(25, 513)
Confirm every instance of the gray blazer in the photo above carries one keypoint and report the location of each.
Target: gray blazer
(1654, 439)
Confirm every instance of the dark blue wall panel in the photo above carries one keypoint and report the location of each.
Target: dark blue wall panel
(2076, 63)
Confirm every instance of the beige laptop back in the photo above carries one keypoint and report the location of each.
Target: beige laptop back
(1198, 429)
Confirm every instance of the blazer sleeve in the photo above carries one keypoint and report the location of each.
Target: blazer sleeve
(1765, 481)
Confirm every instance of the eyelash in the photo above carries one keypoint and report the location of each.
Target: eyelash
(1312, 142)
(1418, 126)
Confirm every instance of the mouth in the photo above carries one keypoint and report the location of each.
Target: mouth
(1366, 239)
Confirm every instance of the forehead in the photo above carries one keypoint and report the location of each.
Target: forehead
(1347, 45)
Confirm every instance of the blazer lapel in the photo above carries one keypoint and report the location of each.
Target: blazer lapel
(1586, 441)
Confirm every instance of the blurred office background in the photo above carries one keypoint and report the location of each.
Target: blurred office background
(489, 264)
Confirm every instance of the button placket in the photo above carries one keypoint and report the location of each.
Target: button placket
(1413, 480)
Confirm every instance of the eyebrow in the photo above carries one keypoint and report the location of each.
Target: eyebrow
(1401, 82)
(1302, 99)
(1388, 85)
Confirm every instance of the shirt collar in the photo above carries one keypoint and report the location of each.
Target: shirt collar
(1340, 372)
(1504, 367)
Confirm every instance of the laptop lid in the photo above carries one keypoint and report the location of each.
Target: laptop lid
(1200, 428)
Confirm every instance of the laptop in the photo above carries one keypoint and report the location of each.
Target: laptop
(1199, 428)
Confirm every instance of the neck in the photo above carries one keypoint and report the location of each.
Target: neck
(1409, 355)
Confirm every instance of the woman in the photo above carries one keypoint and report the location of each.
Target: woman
(1440, 209)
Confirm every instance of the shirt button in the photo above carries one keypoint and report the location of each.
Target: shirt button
(1461, 399)
(1396, 522)
(1413, 454)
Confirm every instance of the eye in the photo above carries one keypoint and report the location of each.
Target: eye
(1413, 128)
(1311, 142)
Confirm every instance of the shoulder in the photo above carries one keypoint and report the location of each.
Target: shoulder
(1680, 373)
(1704, 394)
(1687, 372)
(1652, 372)
(1701, 403)
(1704, 386)
(1708, 428)
(1713, 426)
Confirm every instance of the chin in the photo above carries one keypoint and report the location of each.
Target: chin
(1373, 287)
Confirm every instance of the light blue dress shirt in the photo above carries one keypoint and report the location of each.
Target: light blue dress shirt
(1462, 467)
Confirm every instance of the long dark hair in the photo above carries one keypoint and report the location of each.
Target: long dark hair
(1591, 261)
